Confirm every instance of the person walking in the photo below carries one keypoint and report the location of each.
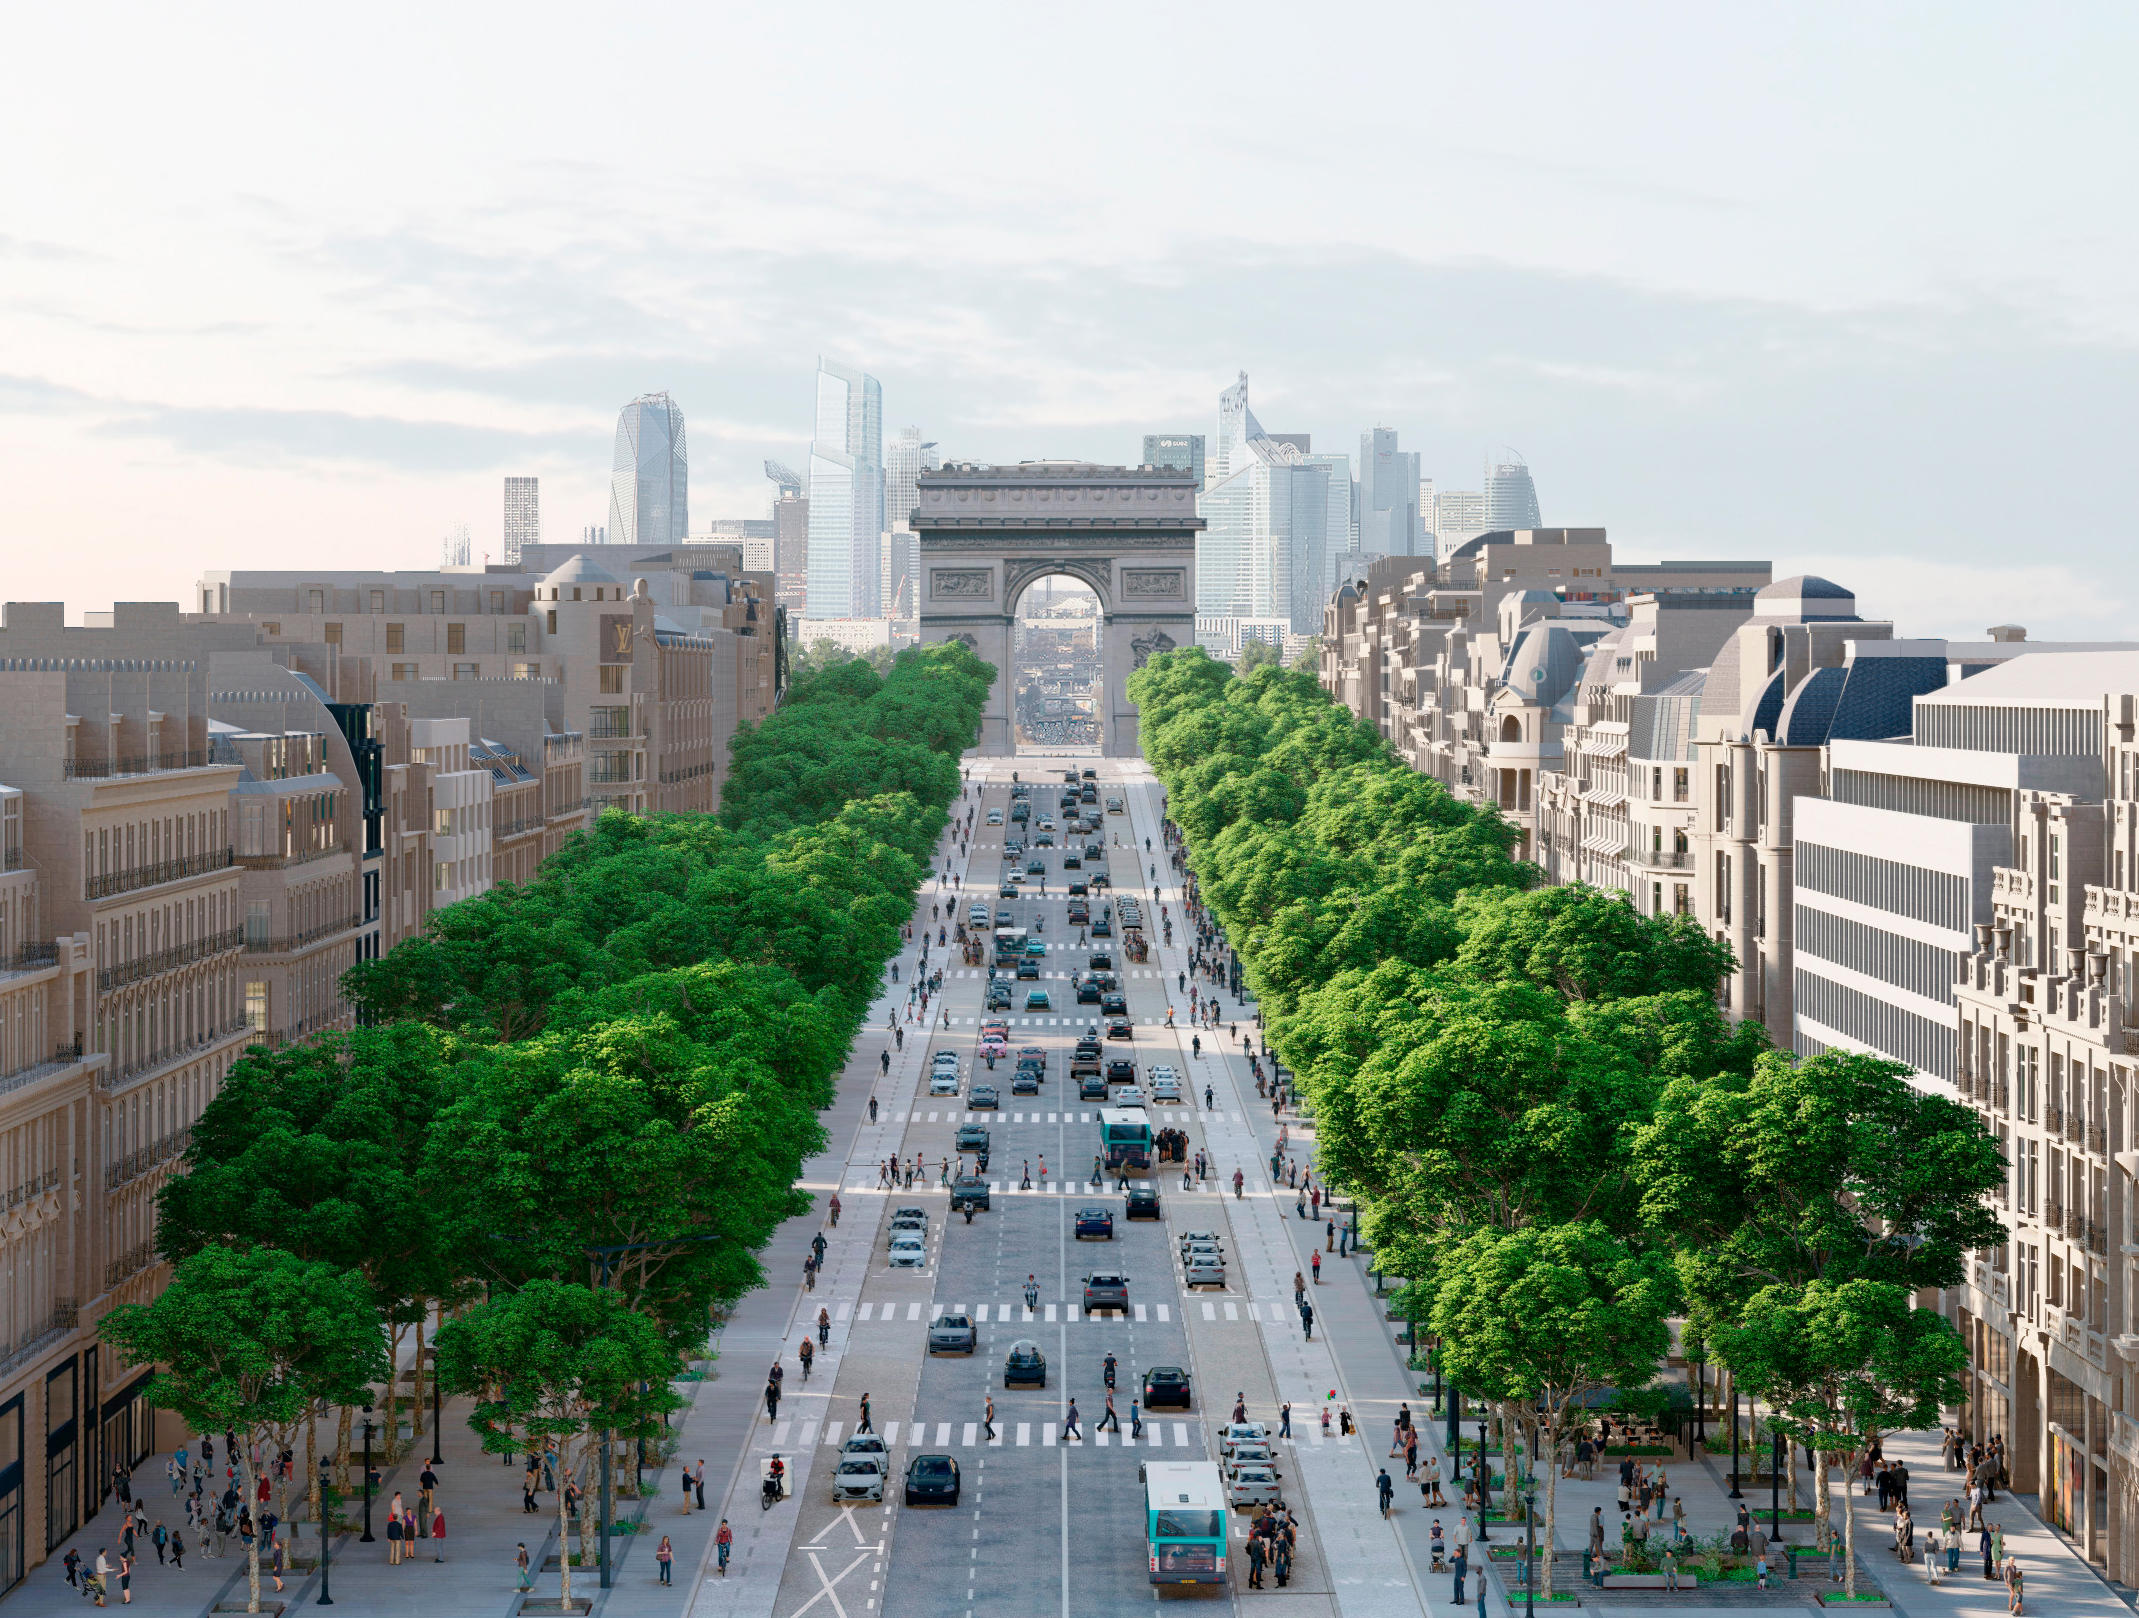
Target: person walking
(665, 1555)
(1255, 1562)
(2013, 1599)
(1284, 1420)
(1110, 1422)
(1307, 1320)
(527, 1581)
(393, 1538)
(1386, 1489)
(438, 1534)
(1070, 1427)
(863, 1425)
(178, 1550)
(772, 1401)
(987, 1419)
(1314, 1261)
(723, 1543)
(1136, 1420)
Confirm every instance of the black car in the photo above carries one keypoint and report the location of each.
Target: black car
(970, 1188)
(1143, 1202)
(953, 1334)
(1121, 1071)
(1078, 888)
(973, 1138)
(1091, 1088)
(1102, 928)
(1095, 1221)
(1114, 1005)
(1118, 1028)
(1073, 861)
(1026, 1083)
(932, 1480)
(1025, 1363)
(1003, 918)
(1028, 968)
(1036, 867)
(1095, 851)
(1100, 961)
(1006, 891)
(1087, 1045)
(1166, 1385)
(999, 996)
(982, 1095)
(1088, 992)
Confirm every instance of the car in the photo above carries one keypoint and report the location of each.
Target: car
(1113, 806)
(1092, 1087)
(1166, 1385)
(909, 1219)
(1025, 1363)
(909, 1250)
(1087, 992)
(947, 1059)
(1025, 1084)
(1036, 1055)
(943, 1082)
(1241, 1432)
(969, 1189)
(1095, 1221)
(866, 1444)
(1036, 867)
(1021, 811)
(1118, 1028)
(1037, 1000)
(1255, 1486)
(1102, 928)
(1202, 1269)
(982, 1095)
(1079, 911)
(1143, 1202)
(995, 817)
(977, 915)
(1007, 890)
(953, 1334)
(1072, 861)
(995, 1028)
(999, 996)
(1121, 1070)
(1106, 1291)
(1004, 918)
(1028, 968)
(1100, 960)
(1115, 1004)
(1129, 1096)
(1249, 1453)
(932, 1480)
(972, 1138)
(1047, 823)
(1016, 879)
(860, 1477)
(1089, 774)
(1087, 1044)
(1165, 1085)
(1046, 839)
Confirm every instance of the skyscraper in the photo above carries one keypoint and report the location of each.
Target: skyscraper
(1183, 451)
(649, 481)
(458, 548)
(791, 538)
(523, 517)
(847, 495)
(1263, 555)
(1510, 496)
(593, 534)
(1236, 425)
(905, 458)
(1388, 496)
(1458, 515)
(1341, 531)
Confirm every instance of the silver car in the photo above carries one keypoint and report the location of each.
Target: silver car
(909, 1250)
(860, 1477)
(1232, 1436)
(1203, 1271)
(953, 1334)
(1255, 1486)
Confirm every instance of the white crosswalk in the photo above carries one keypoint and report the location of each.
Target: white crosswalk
(1157, 1434)
(1158, 1115)
(1003, 1314)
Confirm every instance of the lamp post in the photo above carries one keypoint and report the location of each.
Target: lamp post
(1455, 1414)
(1530, 1546)
(1734, 1494)
(1775, 1481)
(437, 1413)
(1700, 1401)
(1485, 1482)
(367, 1537)
(326, 1536)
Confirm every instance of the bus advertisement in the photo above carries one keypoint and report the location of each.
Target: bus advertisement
(1184, 1521)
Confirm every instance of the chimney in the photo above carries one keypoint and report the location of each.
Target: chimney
(2008, 632)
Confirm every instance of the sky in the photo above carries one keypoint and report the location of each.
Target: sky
(1844, 287)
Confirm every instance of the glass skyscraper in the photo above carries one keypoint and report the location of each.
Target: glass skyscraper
(1388, 496)
(523, 516)
(649, 481)
(846, 557)
(1181, 451)
(1510, 496)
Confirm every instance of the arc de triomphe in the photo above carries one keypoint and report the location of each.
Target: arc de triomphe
(986, 533)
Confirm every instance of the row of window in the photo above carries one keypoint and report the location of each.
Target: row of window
(1925, 1045)
(1938, 897)
(1907, 963)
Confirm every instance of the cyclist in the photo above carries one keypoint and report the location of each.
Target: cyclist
(1195, 1044)
(824, 1328)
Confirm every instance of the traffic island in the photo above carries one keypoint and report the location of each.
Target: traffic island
(1855, 1603)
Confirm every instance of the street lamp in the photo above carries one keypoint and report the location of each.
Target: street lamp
(1530, 1546)
(1485, 1481)
(326, 1535)
(1775, 1480)
(368, 1537)
(1734, 1494)
(437, 1409)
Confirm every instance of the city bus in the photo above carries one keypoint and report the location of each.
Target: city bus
(1125, 1138)
(1184, 1521)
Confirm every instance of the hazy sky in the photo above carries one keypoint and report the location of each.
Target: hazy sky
(1849, 287)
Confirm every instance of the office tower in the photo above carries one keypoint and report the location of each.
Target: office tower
(523, 517)
(1236, 425)
(1182, 451)
(1458, 516)
(905, 458)
(457, 548)
(649, 482)
(846, 506)
(1340, 535)
(1510, 497)
(791, 538)
(1388, 496)
(1428, 545)
(1263, 553)
(593, 534)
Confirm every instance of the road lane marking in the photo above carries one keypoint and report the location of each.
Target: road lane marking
(1180, 1435)
(1024, 1433)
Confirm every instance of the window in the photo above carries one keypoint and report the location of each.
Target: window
(456, 638)
(612, 679)
(256, 1005)
(272, 629)
(1679, 785)
(334, 634)
(62, 1494)
(442, 822)
(467, 671)
(527, 671)
(397, 637)
(378, 601)
(406, 671)
(552, 617)
(13, 1551)
(438, 601)
(1656, 783)
(497, 603)
(441, 876)
(516, 637)
(316, 601)
(256, 923)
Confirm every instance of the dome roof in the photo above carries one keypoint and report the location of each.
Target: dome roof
(1807, 595)
(577, 569)
(1546, 663)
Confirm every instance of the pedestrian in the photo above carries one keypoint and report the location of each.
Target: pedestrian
(101, 1575)
(393, 1539)
(1430, 1484)
(526, 1579)
(161, 1539)
(863, 1425)
(528, 1480)
(665, 1555)
(772, 1401)
(178, 1550)
(1307, 1320)
(2013, 1601)
(1240, 1408)
(1255, 1562)
(1760, 1557)
(1344, 1421)
(1070, 1429)
(1136, 1421)
(426, 1491)
(1284, 1420)
(1385, 1489)
(988, 1419)
(1411, 1456)
(438, 1534)
(698, 1483)
(274, 1566)
(1671, 1569)
(1314, 1261)
(1110, 1421)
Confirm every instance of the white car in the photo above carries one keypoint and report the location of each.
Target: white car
(1242, 1432)
(1255, 1486)
(1246, 1454)
(1165, 1084)
(995, 817)
(1128, 1096)
(909, 1250)
(860, 1477)
(943, 1082)
(1200, 1238)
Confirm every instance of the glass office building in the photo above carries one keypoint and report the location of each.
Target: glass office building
(648, 485)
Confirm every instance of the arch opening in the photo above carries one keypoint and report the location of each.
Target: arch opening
(1057, 647)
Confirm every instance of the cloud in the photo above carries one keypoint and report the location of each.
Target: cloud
(265, 437)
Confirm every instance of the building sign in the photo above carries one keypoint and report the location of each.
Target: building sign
(616, 637)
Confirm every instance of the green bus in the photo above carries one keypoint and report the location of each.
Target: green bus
(1184, 1521)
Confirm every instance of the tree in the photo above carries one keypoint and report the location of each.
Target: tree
(1843, 1363)
(1538, 1320)
(247, 1340)
(1257, 654)
(558, 1361)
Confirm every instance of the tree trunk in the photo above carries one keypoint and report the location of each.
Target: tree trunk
(564, 1530)
(1790, 1449)
(341, 1449)
(392, 1435)
(1849, 1541)
(312, 1466)
(1552, 1503)
(1508, 1451)
(1822, 1501)
(252, 1551)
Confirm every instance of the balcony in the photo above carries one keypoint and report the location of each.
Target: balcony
(602, 727)
(31, 958)
(36, 1186)
(105, 769)
(62, 1058)
(284, 943)
(2098, 1140)
(2053, 1118)
(305, 1027)
(279, 862)
(516, 828)
(1659, 859)
(129, 1264)
(114, 1075)
(2075, 1225)
(578, 806)
(140, 1161)
(148, 876)
(168, 960)
(62, 1320)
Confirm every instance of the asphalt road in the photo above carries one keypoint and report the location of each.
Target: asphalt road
(1046, 1525)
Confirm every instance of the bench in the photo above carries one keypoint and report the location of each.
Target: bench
(1641, 1581)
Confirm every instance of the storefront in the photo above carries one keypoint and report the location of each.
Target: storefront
(2064, 1495)
(63, 1490)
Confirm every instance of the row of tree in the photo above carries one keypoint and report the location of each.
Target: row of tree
(575, 1112)
(1546, 1120)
